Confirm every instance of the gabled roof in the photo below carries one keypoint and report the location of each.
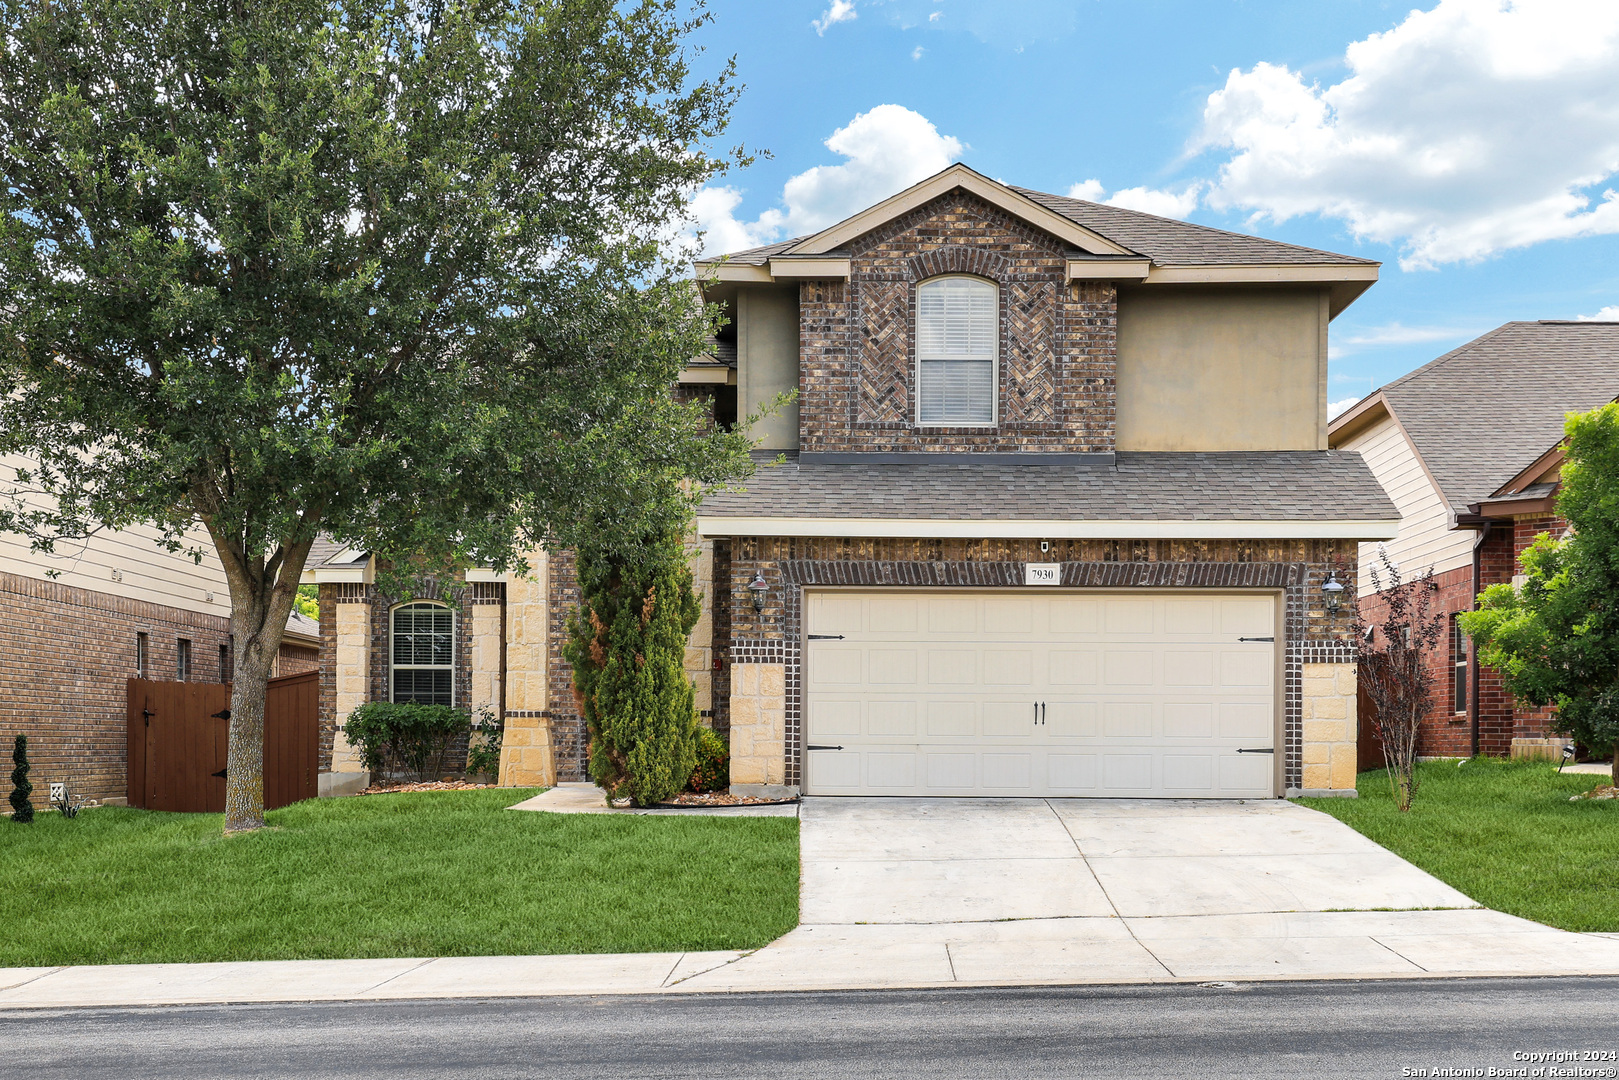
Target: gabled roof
(1104, 242)
(1483, 412)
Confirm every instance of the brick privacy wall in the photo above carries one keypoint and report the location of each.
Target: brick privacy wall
(857, 353)
(297, 660)
(1297, 567)
(71, 651)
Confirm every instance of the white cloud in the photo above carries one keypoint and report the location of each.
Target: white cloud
(888, 149)
(1336, 407)
(840, 11)
(1394, 333)
(1607, 314)
(916, 53)
(1473, 128)
(1171, 204)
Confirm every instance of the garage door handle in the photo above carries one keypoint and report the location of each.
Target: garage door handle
(826, 637)
(1260, 750)
(823, 748)
(1256, 639)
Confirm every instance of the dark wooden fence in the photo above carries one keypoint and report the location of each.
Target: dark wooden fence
(1368, 747)
(178, 738)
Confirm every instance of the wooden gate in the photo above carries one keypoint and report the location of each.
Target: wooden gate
(179, 735)
(1368, 747)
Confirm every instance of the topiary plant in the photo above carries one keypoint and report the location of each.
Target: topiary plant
(22, 811)
(627, 645)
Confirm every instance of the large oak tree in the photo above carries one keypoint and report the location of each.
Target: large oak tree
(385, 269)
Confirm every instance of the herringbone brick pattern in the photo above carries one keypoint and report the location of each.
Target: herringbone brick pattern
(1028, 366)
(884, 308)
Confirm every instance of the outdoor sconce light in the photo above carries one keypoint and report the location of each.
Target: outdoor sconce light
(758, 587)
(1333, 591)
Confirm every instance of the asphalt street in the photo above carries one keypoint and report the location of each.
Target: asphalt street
(1252, 1030)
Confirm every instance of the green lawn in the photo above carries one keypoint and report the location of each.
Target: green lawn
(426, 874)
(1505, 834)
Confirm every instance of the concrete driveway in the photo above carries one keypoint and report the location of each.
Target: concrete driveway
(910, 892)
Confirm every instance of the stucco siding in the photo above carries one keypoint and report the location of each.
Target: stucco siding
(1425, 538)
(767, 361)
(150, 574)
(1221, 369)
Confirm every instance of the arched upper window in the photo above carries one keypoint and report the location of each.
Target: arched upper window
(423, 668)
(956, 333)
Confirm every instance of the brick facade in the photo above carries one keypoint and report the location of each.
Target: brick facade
(1058, 341)
(1295, 568)
(72, 651)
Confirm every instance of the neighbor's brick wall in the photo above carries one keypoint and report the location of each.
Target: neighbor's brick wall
(70, 652)
(1058, 343)
(1297, 567)
(296, 660)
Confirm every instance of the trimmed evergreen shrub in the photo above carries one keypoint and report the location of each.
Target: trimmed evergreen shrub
(483, 748)
(627, 645)
(22, 811)
(713, 771)
(402, 737)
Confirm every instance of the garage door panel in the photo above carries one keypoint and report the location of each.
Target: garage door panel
(1071, 667)
(1009, 719)
(891, 718)
(1073, 719)
(1036, 692)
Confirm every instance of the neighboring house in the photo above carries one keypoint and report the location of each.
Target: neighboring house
(1469, 447)
(1057, 511)
(82, 621)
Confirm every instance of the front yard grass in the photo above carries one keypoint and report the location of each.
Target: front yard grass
(1504, 833)
(420, 874)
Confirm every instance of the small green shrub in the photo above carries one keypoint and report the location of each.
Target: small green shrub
(401, 737)
(713, 772)
(483, 750)
(22, 810)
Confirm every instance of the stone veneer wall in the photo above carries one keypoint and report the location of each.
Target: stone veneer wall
(526, 759)
(1327, 699)
(1058, 343)
(773, 638)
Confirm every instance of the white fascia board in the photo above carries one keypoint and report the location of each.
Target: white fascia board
(746, 273)
(1257, 275)
(480, 573)
(707, 374)
(958, 175)
(351, 571)
(818, 268)
(1108, 270)
(929, 528)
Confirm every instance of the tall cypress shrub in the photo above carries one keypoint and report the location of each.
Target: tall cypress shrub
(627, 645)
(22, 811)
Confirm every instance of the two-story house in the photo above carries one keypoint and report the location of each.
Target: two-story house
(1057, 516)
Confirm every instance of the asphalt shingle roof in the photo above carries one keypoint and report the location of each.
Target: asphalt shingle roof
(1310, 485)
(1484, 411)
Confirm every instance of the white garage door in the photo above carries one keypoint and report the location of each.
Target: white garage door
(1160, 695)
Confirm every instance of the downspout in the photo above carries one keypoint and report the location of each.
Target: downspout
(1472, 664)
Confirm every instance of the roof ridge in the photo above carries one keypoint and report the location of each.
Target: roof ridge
(1109, 208)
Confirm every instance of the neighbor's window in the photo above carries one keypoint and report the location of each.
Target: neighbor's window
(182, 660)
(1458, 665)
(224, 663)
(423, 653)
(956, 323)
(141, 649)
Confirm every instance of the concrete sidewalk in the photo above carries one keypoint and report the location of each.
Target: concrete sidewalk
(927, 893)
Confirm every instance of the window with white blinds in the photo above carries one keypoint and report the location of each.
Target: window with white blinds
(956, 333)
(424, 654)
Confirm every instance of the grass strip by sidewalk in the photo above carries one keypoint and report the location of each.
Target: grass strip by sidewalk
(422, 874)
(1504, 833)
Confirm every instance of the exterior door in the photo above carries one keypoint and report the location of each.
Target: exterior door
(1040, 693)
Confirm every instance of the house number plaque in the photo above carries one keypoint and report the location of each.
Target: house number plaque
(1042, 573)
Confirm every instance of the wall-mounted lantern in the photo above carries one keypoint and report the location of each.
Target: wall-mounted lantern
(758, 588)
(1332, 590)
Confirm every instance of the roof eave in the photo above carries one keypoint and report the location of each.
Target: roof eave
(1036, 529)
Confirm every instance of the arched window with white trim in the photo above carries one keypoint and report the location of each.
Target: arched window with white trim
(957, 324)
(423, 656)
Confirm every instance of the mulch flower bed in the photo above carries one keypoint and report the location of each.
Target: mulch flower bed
(720, 798)
(429, 785)
(1606, 791)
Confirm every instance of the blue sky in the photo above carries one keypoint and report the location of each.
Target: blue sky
(1472, 146)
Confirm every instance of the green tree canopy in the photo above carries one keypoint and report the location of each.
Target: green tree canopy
(1555, 639)
(388, 270)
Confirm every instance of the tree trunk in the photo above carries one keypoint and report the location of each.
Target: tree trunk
(1613, 771)
(244, 762)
